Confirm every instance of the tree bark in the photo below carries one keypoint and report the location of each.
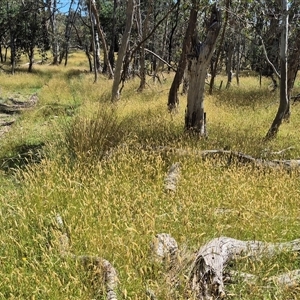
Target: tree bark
(173, 100)
(52, 10)
(284, 99)
(219, 50)
(200, 57)
(122, 51)
(101, 34)
(94, 46)
(206, 277)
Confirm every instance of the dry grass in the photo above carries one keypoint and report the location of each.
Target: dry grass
(114, 207)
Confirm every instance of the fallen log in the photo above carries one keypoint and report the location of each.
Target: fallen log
(206, 276)
(18, 106)
(172, 178)
(7, 123)
(103, 272)
(235, 156)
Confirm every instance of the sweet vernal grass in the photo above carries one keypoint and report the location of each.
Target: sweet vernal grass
(103, 169)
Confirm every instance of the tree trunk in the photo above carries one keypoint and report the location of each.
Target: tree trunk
(170, 46)
(173, 100)
(215, 64)
(122, 51)
(52, 10)
(200, 58)
(70, 21)
(206, 277)
(142, 34)
(293, 62)
(229, 63)
(111, 54)
(101, 34)
(284, 99)
(93, 42)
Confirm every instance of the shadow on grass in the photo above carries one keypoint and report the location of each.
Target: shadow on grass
(23, 155)
(244, 98)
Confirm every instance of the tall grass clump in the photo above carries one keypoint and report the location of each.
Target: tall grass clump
(89, 138)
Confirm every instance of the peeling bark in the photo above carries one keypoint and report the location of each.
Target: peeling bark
(200, 56)
(206, 277)
(207, 274)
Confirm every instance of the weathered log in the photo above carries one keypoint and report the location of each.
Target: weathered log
(164, 248)
(172, 177)
(102, 269)
(17, 106)
(288, 279)
(237, 157)
(9, 109)
(7, 123)
(206, 276)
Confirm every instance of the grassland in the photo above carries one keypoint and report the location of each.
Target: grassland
(113, 204)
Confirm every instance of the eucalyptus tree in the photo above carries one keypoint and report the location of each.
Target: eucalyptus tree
(23, 29)
(289, 60)
(69, 24)
(34, 35)
(199, 59)
(52, 13)
(284, 99)
(11, 29)
(173, 100)
(122, 50)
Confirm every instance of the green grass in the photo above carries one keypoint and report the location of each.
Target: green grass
(113, 205)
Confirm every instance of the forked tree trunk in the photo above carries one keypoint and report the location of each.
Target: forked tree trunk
(199, 61)
(122, 50)
(284, 99)
(102, 37)
(173, 100)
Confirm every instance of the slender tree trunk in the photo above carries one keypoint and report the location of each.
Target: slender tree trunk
(111, 54)
(195, 117)
(143, 34)
(173, 100)
(219, 50)
(70, 22)
(101, 34)
(284, 99)
(93, 42)
(170, 46)
(293, 65)
(31, 58)
(229, 64)
(52, 8)
(123, 48)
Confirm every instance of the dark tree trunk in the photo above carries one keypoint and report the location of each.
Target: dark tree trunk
(31, 58)
(173, 100)
(284, 99)
(200, 57)
(111, 54)
(170, 46)
(219, 50)
(293, 64)
(143, 34)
